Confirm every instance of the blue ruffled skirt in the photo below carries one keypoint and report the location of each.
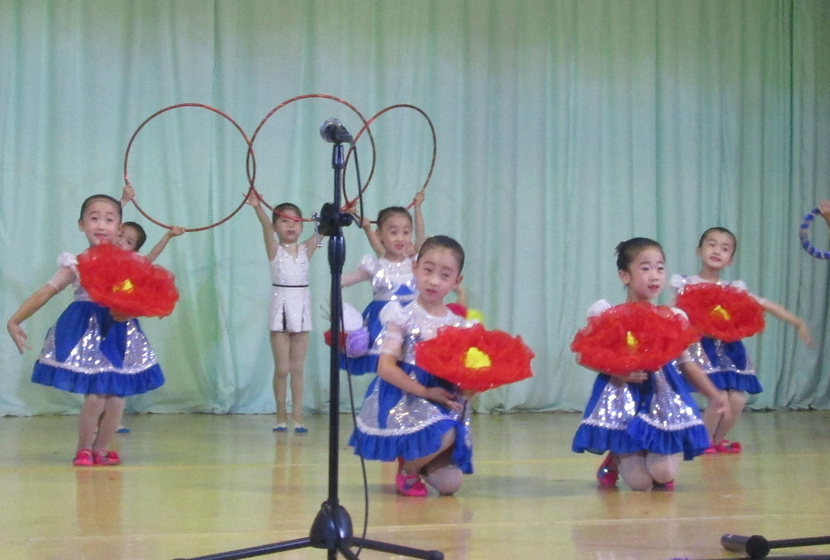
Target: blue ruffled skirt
(88, 352)
(393, 423)
(371, 319)
(658, 416)
(728, 366)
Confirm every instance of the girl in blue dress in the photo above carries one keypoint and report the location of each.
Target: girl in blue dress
(644, 420)
(89, 351)
(389, 271)
(408, 414)
(727, 363)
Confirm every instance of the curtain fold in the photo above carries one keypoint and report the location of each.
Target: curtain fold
(563, 127)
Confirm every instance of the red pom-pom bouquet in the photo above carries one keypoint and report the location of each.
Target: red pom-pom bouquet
(632, 337)
(475, 359)
(126, 282)
(723, 312)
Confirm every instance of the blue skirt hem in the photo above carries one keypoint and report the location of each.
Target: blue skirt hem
(732, 381)
(691, 441)
(102, 383)
(412, 446)
(595, 439)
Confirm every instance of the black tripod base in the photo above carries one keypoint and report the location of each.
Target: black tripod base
(332, 531)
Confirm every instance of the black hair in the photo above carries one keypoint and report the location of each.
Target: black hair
(95, 197)
(627, 250)
(281, 208)
(141, 234)
(719, 230)
(390, 211)
(444, 242)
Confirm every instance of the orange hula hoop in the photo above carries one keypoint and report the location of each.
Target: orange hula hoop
(251, 163)
(292, 100)
(351, 203)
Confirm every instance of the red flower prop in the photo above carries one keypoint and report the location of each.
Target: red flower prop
(475, 359)
(723, 312)
(127, 283)
(632, 337)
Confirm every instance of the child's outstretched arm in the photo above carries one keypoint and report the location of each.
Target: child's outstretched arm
(29, 308)
(371, 235)
(127, 194)
(461, 295)
(353, 277)
(271, 243)
(420, 229)
(312, 243)
(701, 382)
(791, 318)
(824, 210)
(174, 231)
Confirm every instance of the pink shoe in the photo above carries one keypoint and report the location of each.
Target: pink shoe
(607, 474)
(83, 458)
(711, 450)
(410, 485)
(724, 446)
(663, 486)
(107, 458)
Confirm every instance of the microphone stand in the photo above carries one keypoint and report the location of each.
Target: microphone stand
(332, 527)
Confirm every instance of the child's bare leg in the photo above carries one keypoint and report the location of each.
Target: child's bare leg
(662, 468)
(634, 471)
(91, 411)
(737, 402)
(415, 466)
(111, 418)
(280, 347)
(299, 347)
(712, 419)
(443, 474)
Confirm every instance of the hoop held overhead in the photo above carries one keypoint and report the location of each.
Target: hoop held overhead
(805, 238)
(350, 203)
(251, 162)
(298, 98)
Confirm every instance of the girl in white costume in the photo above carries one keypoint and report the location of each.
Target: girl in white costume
(290, 315)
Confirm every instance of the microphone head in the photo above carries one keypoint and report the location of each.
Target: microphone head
(333, 131)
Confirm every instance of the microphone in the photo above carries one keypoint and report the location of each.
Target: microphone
(334, 132)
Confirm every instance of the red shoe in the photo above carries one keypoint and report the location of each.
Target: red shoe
(711, 450)
(107, 458)
(410, 485)
(83, 458)
(607, 474)
(724, 446)
(663, 486)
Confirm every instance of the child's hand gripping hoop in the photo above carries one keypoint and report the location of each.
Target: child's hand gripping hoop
(288, 102)
(251, 162)
(805, 238)
(351, 203)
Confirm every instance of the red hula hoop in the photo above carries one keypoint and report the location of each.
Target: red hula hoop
(365, 128)
(251, 162)
(292, 100)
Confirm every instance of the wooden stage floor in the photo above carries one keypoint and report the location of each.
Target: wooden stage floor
(195, 485)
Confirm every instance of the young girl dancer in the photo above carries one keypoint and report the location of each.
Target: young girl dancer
(89, 351)
(726, 363)
(290, 317)
(408, 414)
(131, 237)
(390, 272)
(645, 419)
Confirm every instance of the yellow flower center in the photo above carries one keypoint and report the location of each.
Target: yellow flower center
(476, 359)
(631, 341)
(125, 286)
(718, 310)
